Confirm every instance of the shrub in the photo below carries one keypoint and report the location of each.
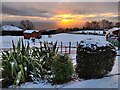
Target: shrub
(62, 69)
(23, 64)
(18, 65)
(47, 52)
(94, 61)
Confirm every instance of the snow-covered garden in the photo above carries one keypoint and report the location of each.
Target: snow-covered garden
(110, 81)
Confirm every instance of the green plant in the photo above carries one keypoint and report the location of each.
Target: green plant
(47, 52)
(24, 64)
(62, 69)
(94, 61)
(18, 65)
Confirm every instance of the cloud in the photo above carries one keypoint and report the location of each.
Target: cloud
(61, 1)
(47, 9)
(56, 11)
(7, 8)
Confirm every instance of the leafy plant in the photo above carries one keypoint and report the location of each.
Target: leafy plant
(94, 62)
(62, 69)
(23, 64)
(47, 52)
(18, 65)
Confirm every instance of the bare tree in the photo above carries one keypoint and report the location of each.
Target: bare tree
(27, 25)
(117, 24)
(87, 25)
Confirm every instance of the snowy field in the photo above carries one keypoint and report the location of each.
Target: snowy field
(65, 38)
(107, 82)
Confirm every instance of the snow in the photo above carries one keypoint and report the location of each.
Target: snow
(106, 82)
(89, 31)
(6, 41)
(30, 31)
(10, 28)
(65, 38)
(112, 30)
(70, 38)
(93, 44)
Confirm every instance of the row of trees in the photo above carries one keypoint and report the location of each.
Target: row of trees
(103, 24)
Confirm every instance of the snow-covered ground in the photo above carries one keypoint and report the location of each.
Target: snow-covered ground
(107, 82)
(90, 31)
(65, 38)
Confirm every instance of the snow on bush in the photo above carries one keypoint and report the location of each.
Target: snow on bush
(62, 69)
(94, 59)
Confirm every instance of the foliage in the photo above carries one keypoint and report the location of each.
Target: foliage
(18, 65)
(47, 52)
(23, 64)
(95, 63)
(62, 69)
(27, 25)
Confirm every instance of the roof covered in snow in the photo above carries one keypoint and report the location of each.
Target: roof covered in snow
(30, 31)
(112, 30)
(10, 28)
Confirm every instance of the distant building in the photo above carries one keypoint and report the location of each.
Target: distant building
(113, 36)
(32, 34)
(113, 32)
(10, 28)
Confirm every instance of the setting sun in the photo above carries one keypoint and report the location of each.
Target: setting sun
(65, 20)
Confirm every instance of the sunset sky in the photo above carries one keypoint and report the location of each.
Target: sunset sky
(58, 14)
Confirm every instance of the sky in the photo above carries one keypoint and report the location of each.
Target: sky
(48, 15)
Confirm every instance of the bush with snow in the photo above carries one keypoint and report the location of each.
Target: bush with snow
(62, 69)
(94, 59)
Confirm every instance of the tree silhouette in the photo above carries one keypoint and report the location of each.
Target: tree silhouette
(27, 25)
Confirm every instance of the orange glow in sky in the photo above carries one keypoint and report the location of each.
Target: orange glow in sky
(68, 20)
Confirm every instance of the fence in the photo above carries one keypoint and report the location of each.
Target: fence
(63, 47)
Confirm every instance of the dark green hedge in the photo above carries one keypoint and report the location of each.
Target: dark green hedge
(94, 63)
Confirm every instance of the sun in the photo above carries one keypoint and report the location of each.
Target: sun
(66, 20)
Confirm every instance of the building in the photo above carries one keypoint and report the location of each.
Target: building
(11, 30)
(32, 34)
(113, 32)
(113, 36)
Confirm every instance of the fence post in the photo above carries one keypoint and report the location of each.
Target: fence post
(77, 44)
(61, 47)
(52, 43)
(40, 44)
(69, 47)
(65, 49)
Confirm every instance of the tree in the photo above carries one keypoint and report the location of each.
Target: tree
(87, 25)
(95, 25)
(117, 24)
(27, 25)
(104, 24)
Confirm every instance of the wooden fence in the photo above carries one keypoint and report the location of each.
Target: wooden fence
(69, 48)
(63, 47)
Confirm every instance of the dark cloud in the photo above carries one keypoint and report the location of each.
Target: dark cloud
(24, 11)
(45, 9)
